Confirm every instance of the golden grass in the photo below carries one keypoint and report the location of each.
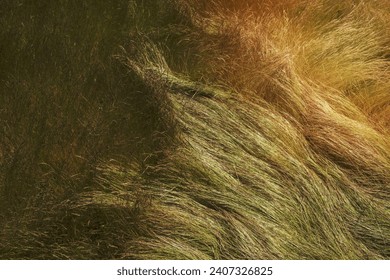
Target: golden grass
(197, 130)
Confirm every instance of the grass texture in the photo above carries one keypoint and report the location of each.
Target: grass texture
(187, 129)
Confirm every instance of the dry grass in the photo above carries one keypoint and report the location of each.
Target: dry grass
(195, 130)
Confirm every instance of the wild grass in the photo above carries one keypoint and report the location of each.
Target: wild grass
(183, 129)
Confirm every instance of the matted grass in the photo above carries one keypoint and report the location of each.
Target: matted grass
(194, 129)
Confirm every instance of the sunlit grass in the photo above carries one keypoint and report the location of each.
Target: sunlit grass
(194, 130)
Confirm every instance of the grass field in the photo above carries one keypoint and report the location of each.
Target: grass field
(186, 129)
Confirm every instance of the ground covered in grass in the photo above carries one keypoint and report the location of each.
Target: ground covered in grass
(183, 129)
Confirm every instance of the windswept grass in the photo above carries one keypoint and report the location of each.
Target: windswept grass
(184, 129)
